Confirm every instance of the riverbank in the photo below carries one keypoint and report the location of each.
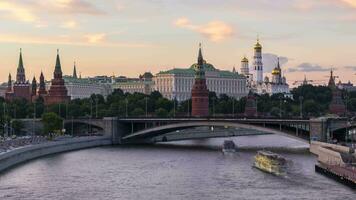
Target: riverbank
(26, 153)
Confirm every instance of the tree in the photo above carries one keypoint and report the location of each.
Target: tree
(51, 122)
(137, 112)
(161, 112)
(17, 126)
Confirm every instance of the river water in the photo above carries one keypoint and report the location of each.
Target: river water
(180, 170)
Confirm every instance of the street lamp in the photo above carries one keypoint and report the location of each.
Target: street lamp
(127, 102)
(188, 108)
(301, 106)
(280, 107)
(96, 107)
(174, 107)
(213, 106)
(233, 107)
(146, 106)
(34, 117)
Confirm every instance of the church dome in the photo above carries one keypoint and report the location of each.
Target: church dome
(276, 71)
(258, 45)
(244, 59)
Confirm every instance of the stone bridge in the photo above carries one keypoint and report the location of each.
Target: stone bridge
(134, 130)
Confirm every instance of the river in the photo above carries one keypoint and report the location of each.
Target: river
(179, 170)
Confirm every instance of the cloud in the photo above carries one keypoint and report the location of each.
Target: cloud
(17, 11)
(215, 31)
(69, 24)
(308, 67)
(353, 68)
(33, 10)
(73, 7)
(96, 38)
(270, 61)
(76, 40)
(350, 3)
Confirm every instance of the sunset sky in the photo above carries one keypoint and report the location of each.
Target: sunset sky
(129, 37)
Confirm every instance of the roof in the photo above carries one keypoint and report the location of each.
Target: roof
(207, 67)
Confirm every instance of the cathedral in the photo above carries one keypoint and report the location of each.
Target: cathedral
(256, 82)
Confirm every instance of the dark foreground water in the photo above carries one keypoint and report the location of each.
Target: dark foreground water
(167, 172)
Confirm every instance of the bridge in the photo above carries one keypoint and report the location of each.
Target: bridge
(150, 130)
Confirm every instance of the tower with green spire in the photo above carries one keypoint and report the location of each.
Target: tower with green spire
(75, 71)
(20, 76)
(42, 87)
(200, 92)
(21, 87)
(58, 92)
(34, 87)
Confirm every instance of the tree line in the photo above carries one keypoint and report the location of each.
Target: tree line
(313, 100)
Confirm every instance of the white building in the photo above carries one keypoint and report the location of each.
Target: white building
(143, 84)
(278, 84)
(177, 83)
(80, 88)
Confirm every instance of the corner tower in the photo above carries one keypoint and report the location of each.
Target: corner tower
(200, 92)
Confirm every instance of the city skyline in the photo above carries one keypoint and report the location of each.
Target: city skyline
(107, 38)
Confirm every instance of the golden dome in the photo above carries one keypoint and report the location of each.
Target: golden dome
(244, 59)
(276, 71)
(258, 45)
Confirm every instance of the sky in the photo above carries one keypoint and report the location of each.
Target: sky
(129, 37)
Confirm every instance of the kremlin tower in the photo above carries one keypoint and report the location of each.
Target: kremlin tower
(200, 93)
(337, 105)
(21, 87)
(42, 88)
(258, 65)
(251, 106)
(58, 92)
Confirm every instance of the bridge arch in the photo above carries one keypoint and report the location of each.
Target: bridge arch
(161, 130)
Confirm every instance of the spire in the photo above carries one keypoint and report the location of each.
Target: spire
(75, 71)
(34, 86)
(278, 65)
(9, 84)
(20, 66)
(58, 68)
(331, 83)
(233, 70)
(20, 76)
(200, 56)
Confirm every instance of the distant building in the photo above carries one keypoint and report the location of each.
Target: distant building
(80, 88)
(58, 92)
(337, 105)
(200, 92)
(278, 84)
(3, 90)
(20, 89)
(346, 86)
(143, 84)
(177, 83)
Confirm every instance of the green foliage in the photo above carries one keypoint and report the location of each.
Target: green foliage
(137, 112)
(316, 100)
(51, 122)
(161, 112)
(17, 126)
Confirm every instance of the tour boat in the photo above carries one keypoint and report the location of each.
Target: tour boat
(270, 162)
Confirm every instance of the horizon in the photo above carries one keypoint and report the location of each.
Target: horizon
(122, 38)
